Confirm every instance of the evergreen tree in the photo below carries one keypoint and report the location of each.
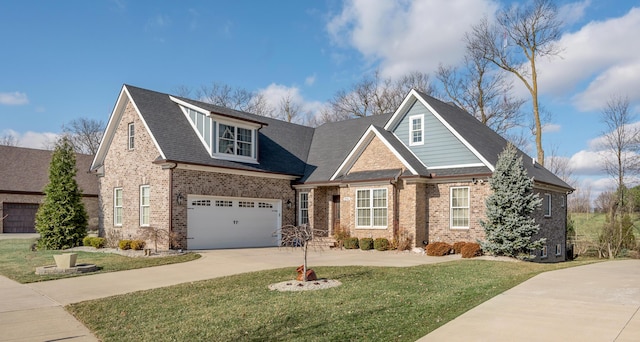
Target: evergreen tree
(510, 226)
(62, 219)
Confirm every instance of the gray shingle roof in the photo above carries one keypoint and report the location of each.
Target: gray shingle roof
(487, 142)
(332, 143)
(27, 170)
(312, 154)
(283, 146)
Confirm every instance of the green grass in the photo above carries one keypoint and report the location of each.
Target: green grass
(19, 263)
(372, 304)
(589, 225)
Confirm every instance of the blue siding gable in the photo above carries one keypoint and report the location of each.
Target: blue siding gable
(441, 147)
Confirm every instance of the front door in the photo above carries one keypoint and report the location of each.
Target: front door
(336, 212)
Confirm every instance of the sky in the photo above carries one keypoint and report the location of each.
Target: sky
(64, 60)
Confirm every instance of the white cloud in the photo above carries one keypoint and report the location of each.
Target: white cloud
(597, 60)
(309, 81)
(406, 36)
(30, 139)
(572, 12)
(587, 163)
(13, 99)
(275, 93)
(551, 128)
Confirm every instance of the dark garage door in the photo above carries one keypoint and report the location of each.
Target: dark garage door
(21, 217)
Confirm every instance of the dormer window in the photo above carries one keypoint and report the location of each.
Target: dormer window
(236, 141)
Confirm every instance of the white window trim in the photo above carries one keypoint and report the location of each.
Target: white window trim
(131, 136)
(142, 223)
(562, 201)
(301, 209)
(411, 130)
(234, 157)
(468, 207)
(543, 252)
(371, 207)
(547, 209)
(558, 249)
(203, 139)
(115, 207)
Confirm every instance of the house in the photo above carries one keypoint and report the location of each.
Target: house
(219, 178)
(24, 173)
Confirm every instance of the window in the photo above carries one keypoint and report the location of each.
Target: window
(117, 207)
(416, 127)
(562, 201)
(265, 205)
(460, 208)
(547, 205)
(201, 123)
(543, 252)
(236, 141)
(245, 204)
(220, 203)
(145, 209)
(371, 208)
(131, 133)
(303, 217)
(558, 249)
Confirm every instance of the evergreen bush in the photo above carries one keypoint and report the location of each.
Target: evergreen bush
(471, 249)
(351, 243)
(457, 247)
(510, 226)
(366, 244)
(124, 244)
(62, 219)
(137, 245)
(381, 244)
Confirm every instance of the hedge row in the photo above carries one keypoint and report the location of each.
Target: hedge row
(467, 249)
(380, 244)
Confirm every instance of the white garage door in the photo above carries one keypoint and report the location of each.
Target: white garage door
(225, 222)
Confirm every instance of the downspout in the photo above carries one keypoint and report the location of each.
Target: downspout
(396, 207)
(171, 193)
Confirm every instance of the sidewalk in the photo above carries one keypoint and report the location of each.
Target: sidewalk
(598, 302)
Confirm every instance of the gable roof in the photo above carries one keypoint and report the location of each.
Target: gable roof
(26, 170)
(282, 146)
(487, 142)
(313, 155)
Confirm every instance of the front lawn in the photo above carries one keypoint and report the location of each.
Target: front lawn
(373, 304)
(19, 263)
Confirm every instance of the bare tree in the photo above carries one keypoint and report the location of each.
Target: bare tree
(374, 95)
(299, 236)
(580, 200)
(84, 134)
(482, 91)
(9, 140)
(289, 110)
(522, 35)
(620, 143)
(237, 98)
(560, 166)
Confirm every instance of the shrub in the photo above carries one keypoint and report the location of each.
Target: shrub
(98, 242)
(340, 234)
(366, 244)
(137, 245)
(93, 241)
(471, 249)
(438, 249)
(402, 241)
(124, 244)
(87, 241)
(351, 243)
(457, 247)
(381, 244)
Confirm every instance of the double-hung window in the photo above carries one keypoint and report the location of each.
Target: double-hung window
(235, 140)
(460, 207)
(371, 208)
(547, 205)
(416, 129)
(117, 207)
(304, 208)
(145, 209)
(130, 135)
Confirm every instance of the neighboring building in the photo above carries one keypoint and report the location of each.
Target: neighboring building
(220, 178)
(24, 173)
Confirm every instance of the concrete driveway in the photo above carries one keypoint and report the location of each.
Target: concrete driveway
(597, 302)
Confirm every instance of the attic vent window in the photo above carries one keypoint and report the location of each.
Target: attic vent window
(201, 123)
